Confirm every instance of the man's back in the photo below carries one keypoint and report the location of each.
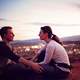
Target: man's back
(3, 60)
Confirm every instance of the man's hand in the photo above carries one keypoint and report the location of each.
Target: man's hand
(36, 67)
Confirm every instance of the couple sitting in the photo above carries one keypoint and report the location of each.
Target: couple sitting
(51, 61)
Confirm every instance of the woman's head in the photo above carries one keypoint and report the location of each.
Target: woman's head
(6, 33)
(46, 33)
(48, 30)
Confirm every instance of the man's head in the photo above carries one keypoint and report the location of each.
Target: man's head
(6, 33)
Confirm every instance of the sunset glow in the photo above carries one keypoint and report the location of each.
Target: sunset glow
(27, 16)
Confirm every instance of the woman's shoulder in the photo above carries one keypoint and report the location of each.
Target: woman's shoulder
(54, 44)
(51, 44)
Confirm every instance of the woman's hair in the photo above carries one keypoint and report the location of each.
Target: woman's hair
(3, 30)
(47, 29)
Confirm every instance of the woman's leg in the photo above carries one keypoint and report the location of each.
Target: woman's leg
(53, 73)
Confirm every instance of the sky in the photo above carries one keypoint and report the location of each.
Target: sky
(27, 16)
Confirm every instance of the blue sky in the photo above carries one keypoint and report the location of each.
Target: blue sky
(27, 16)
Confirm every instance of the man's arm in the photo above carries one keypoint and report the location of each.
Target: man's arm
(6, 52)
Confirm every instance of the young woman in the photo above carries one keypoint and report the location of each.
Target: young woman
(52, 58)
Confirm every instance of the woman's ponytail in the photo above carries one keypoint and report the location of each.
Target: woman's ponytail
(56, 38)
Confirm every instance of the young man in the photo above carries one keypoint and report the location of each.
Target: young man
(13, 71)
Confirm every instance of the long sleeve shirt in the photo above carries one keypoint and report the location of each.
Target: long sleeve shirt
(55, 51)
(5, 54)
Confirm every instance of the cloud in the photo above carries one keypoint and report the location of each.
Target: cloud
(3, 19)
(77, 5)
(55, 24)
(40, 23)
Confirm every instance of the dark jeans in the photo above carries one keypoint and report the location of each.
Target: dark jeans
(53, 73)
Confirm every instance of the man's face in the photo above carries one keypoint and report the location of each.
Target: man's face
(10, 35)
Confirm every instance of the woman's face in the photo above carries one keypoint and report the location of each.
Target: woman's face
(42, 35)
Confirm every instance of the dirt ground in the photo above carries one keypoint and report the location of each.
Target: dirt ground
(75, 72)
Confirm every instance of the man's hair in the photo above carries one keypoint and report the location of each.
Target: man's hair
(3, 30)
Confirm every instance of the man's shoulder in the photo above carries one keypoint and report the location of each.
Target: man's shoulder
(2, 43)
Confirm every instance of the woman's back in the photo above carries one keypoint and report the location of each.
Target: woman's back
(59, 53)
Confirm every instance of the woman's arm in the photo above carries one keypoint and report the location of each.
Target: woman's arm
(49, 54)
(35, 58)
